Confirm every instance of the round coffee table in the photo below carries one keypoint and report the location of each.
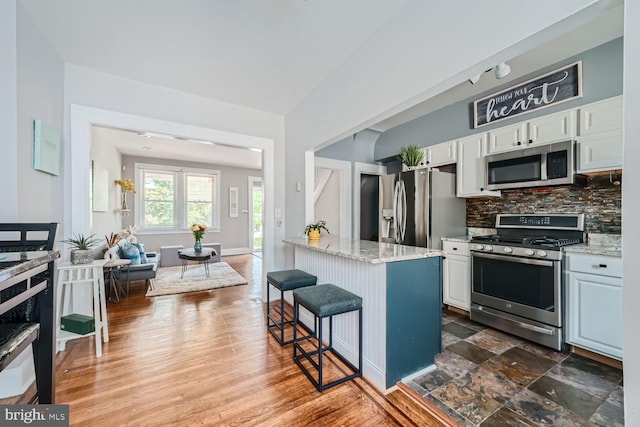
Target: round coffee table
(203, 257)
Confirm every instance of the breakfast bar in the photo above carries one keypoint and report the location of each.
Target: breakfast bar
(401, 291)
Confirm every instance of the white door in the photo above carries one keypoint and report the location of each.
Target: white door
(256, 213)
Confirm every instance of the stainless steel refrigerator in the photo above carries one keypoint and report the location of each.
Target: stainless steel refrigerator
(419, 207)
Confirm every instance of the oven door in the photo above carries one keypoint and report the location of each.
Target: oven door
(525, 287)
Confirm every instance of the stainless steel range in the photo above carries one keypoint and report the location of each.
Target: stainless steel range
(516, 275)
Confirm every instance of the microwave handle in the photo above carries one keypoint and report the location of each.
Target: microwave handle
(543, 166)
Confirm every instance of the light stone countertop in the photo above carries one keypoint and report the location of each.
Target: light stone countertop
(364, 250)
(457, 239)
(599, 244)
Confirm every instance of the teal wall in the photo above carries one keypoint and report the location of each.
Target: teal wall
(602, 78)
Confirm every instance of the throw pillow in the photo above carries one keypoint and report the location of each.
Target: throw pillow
(130, 252)
(143, 255)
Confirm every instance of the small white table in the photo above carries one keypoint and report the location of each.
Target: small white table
(84, 274)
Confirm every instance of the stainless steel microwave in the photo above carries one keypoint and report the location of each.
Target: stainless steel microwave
(539, 166)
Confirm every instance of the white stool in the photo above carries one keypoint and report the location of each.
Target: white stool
(82, 274)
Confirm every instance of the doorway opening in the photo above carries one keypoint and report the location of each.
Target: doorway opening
(256, 214)
(369, 193)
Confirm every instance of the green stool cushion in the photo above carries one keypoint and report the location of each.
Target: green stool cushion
(286, 280)
(327, 300)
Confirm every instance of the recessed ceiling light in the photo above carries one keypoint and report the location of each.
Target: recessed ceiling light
(146, 148)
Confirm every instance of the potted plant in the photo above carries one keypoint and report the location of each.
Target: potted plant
(82, 252)
(411, 156)
(313, 230)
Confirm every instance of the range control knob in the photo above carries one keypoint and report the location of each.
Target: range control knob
(529, 252)
(488, 248)
(479, 247)
(541, 253)
(508, 250)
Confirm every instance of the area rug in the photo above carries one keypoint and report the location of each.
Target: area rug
(168, 279)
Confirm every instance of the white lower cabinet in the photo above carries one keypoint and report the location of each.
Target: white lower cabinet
(594, 303)
(456, 275)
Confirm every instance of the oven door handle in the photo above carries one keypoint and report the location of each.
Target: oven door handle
(534, 328)
(519, 260)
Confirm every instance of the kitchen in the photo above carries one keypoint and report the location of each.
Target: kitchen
(597, 195)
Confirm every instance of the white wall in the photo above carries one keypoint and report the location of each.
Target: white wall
(406, 62)
(88, 87)
(8, 111)
(631, 213)
(40, 96)
(104, 153)
(328, 205)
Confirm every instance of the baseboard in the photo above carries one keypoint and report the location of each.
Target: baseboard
(614, 363)
(458, 310)
(419, 373)
(236, 251)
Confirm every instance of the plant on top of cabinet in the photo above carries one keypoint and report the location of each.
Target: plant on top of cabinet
(411, 156)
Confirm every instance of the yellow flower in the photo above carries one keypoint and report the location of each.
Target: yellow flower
(127, 185)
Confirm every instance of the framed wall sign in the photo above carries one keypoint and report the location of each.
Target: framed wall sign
(551, 88)
(46, 148)
(233, 202)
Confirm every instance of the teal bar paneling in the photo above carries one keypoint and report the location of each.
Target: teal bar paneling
(414, 301)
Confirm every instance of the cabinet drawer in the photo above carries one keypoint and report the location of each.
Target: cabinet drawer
(456, 248)
(595, 264)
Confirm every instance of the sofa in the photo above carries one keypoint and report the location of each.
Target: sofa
(136, 270)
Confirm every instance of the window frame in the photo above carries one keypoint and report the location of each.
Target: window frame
(180, 197)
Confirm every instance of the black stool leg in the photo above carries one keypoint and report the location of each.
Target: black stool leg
(320, 352)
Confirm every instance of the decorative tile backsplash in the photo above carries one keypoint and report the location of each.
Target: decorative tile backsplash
(599, 200)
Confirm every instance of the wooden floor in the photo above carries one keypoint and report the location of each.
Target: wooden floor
(206, 358)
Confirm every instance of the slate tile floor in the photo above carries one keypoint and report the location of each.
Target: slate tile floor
(484, 377)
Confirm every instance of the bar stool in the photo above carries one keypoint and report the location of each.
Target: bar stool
(325, 301)
(84, 274)
(285, 280)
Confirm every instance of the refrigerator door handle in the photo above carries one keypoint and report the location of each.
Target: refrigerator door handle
(396, 190)
(404, 211)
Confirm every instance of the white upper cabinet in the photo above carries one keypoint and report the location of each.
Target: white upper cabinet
(441, 154)
(601, 116)
(541, 130)
(507, 138)
(600, 136)
(553, 127)
(470, 167)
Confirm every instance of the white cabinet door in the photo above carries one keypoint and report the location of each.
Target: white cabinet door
(601, 116)
(600, 152)
(442, 154)
(552, 127)
(507, 138)
(600, 136)
(456, 281)
(594, 307)
(470, 168)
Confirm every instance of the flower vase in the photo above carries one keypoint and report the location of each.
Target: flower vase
(123, 200)
(197, 246)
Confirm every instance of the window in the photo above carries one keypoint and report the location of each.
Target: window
(173, 198)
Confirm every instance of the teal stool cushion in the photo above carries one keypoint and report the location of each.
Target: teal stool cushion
(287, 280)
(327, 300)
